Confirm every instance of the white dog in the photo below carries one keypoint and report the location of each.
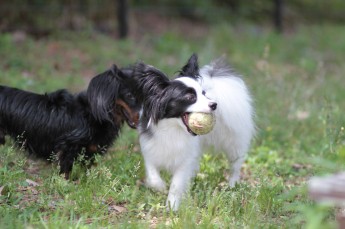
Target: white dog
(166, 140)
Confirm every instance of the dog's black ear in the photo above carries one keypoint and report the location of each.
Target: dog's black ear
(148, 80)
(191, 68)
(102, 93)
(150, 88)
(126, 76)
(125, 73)
(144, 70)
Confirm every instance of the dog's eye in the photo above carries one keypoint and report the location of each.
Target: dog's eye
(203, 92)
(191, 97)
(129, 96)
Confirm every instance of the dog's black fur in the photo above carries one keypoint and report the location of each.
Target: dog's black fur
(160, 96)
(64, 125)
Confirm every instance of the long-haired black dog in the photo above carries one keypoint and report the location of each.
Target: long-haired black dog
(63, 125)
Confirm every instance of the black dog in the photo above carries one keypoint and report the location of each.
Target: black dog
(63, 125)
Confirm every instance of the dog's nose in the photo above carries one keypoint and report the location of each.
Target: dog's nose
(213, 106)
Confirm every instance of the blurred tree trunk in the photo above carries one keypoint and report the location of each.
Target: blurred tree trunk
(278, 15)
(122, 12)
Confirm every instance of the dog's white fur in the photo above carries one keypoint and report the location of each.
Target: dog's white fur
(171, 147)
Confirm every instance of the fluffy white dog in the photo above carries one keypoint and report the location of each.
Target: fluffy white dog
(167, 143)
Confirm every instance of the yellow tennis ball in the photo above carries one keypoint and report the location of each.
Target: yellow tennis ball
(201, 123)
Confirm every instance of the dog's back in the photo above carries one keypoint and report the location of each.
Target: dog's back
(37, 119)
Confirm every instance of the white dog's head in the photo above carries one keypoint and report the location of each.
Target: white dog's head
(163, 98)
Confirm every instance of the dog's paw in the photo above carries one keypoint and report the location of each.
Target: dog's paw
(156, 185)
(173, 202)
(233, 181)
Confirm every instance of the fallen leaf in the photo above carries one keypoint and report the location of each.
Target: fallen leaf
(4, 190)
(32, 183)
(117, 208)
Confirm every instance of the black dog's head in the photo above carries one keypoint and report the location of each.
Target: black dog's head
(111, 100)
(164, 98)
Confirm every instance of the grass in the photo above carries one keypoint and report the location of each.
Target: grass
(297, 84)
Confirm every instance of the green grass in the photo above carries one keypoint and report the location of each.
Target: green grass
(297, 81)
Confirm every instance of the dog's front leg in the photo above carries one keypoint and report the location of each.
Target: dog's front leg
(235, 164)
(178, 187)
(153, 178)
(66, 160)
(66, 167)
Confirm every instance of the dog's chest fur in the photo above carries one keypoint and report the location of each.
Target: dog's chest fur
(164, 144)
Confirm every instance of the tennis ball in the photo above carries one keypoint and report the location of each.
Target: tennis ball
(201, 123)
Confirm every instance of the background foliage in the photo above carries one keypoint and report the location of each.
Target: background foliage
(41, 17)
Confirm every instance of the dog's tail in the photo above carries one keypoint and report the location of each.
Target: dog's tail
(218, 68)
